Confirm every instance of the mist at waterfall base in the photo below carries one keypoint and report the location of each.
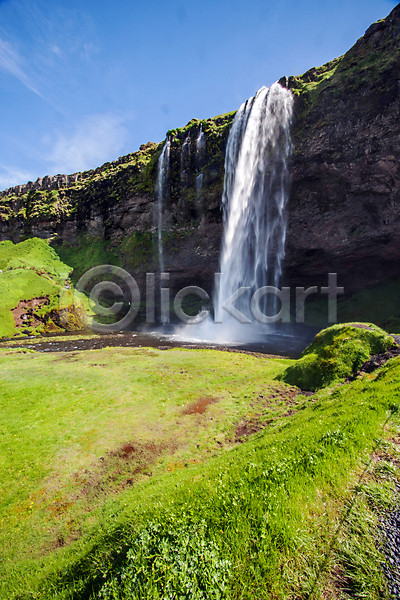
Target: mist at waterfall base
(256, 189)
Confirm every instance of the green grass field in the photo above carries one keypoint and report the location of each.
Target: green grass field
(141, 473)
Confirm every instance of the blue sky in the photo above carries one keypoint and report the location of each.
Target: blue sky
(84, 82)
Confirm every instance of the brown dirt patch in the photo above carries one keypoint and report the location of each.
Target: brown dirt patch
(24, 313)
(378, 361)
(120, 468)
(200, 406)
(247, 428)
(275, 395)
(110, 474)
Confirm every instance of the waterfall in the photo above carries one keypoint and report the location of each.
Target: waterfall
(185, 159)
(255, 194)
(162, 180)
(256, 189)
(200, 155)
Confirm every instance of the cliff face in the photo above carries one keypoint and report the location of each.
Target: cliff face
(344, 207)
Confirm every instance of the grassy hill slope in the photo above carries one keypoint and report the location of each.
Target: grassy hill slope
(191, 474)
(31, 270)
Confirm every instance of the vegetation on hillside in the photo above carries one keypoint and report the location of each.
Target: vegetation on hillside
(137, 473)
(32, 270)
(107, 185)
(336, 354)
(193, 474)
(379, 305)
(130, 173)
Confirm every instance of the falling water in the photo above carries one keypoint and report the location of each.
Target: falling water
(255, 194)
(200, 155)
(199, 185)
(185, 157)
(162, 180)
(256, 188)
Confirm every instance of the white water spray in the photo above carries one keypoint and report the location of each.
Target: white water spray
(162, 180)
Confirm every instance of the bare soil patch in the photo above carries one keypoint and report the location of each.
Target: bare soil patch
(119, 468)
(110, 474)
(272, 396)
(378, 360)
(200, 406)
(24, 313)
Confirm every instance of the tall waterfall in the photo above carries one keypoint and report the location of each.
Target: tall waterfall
(255, 193)
(162, 181)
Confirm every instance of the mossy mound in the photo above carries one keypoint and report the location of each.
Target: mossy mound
(337, 353)
(34, 254)
(32, 270)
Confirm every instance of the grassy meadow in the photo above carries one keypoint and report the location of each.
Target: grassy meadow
(142, 473)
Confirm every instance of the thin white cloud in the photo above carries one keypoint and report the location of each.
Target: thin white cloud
(11, 61)
(11, 176)
(49, 51)
(95, 140)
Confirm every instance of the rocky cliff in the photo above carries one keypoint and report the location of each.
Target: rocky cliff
(344, 205)
(344, 208)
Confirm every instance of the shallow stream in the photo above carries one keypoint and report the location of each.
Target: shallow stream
(288, 344)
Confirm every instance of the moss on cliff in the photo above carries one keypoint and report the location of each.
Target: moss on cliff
(81, 196)
(98, 188)
(379, 305)
(137, 250)
(186, 167)
(89, 252)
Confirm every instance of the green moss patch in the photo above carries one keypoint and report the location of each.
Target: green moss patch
(379, 305)
(336, 354)
(34, 254)
(32, 270)
(89, 252)
(138, 249)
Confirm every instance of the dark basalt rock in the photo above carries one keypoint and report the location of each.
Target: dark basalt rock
(344, 207)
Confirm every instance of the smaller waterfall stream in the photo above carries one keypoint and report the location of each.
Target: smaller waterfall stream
(162, 180)
(185, 161)
(200, 156)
